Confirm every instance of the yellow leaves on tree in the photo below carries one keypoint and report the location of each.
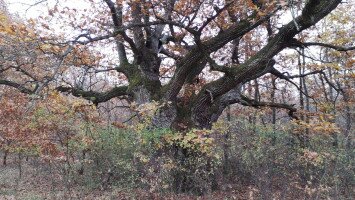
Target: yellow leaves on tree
(9, 28)
(40, 125)
(317, 125)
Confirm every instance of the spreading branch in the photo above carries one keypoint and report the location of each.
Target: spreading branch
(296, 43)
(18, 86)
(255, 67)
(258, 104)
(338, 48)
(195, 56)
(95, 97)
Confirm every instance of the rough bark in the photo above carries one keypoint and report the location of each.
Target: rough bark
(260, 63)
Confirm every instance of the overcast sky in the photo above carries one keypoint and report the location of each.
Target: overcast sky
(34, 8)
(24, 9)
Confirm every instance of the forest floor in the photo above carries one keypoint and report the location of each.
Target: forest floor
(38, 182)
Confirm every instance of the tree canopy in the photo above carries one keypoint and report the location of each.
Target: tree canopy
(194, 57)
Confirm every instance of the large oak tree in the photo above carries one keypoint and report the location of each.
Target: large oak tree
(189, 37)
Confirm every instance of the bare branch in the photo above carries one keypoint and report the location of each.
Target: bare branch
(218, 12)
(338, 48)
(288, 78)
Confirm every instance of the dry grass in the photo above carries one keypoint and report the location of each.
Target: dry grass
(40, 181)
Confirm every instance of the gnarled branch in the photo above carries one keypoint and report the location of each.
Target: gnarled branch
(95, 97)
